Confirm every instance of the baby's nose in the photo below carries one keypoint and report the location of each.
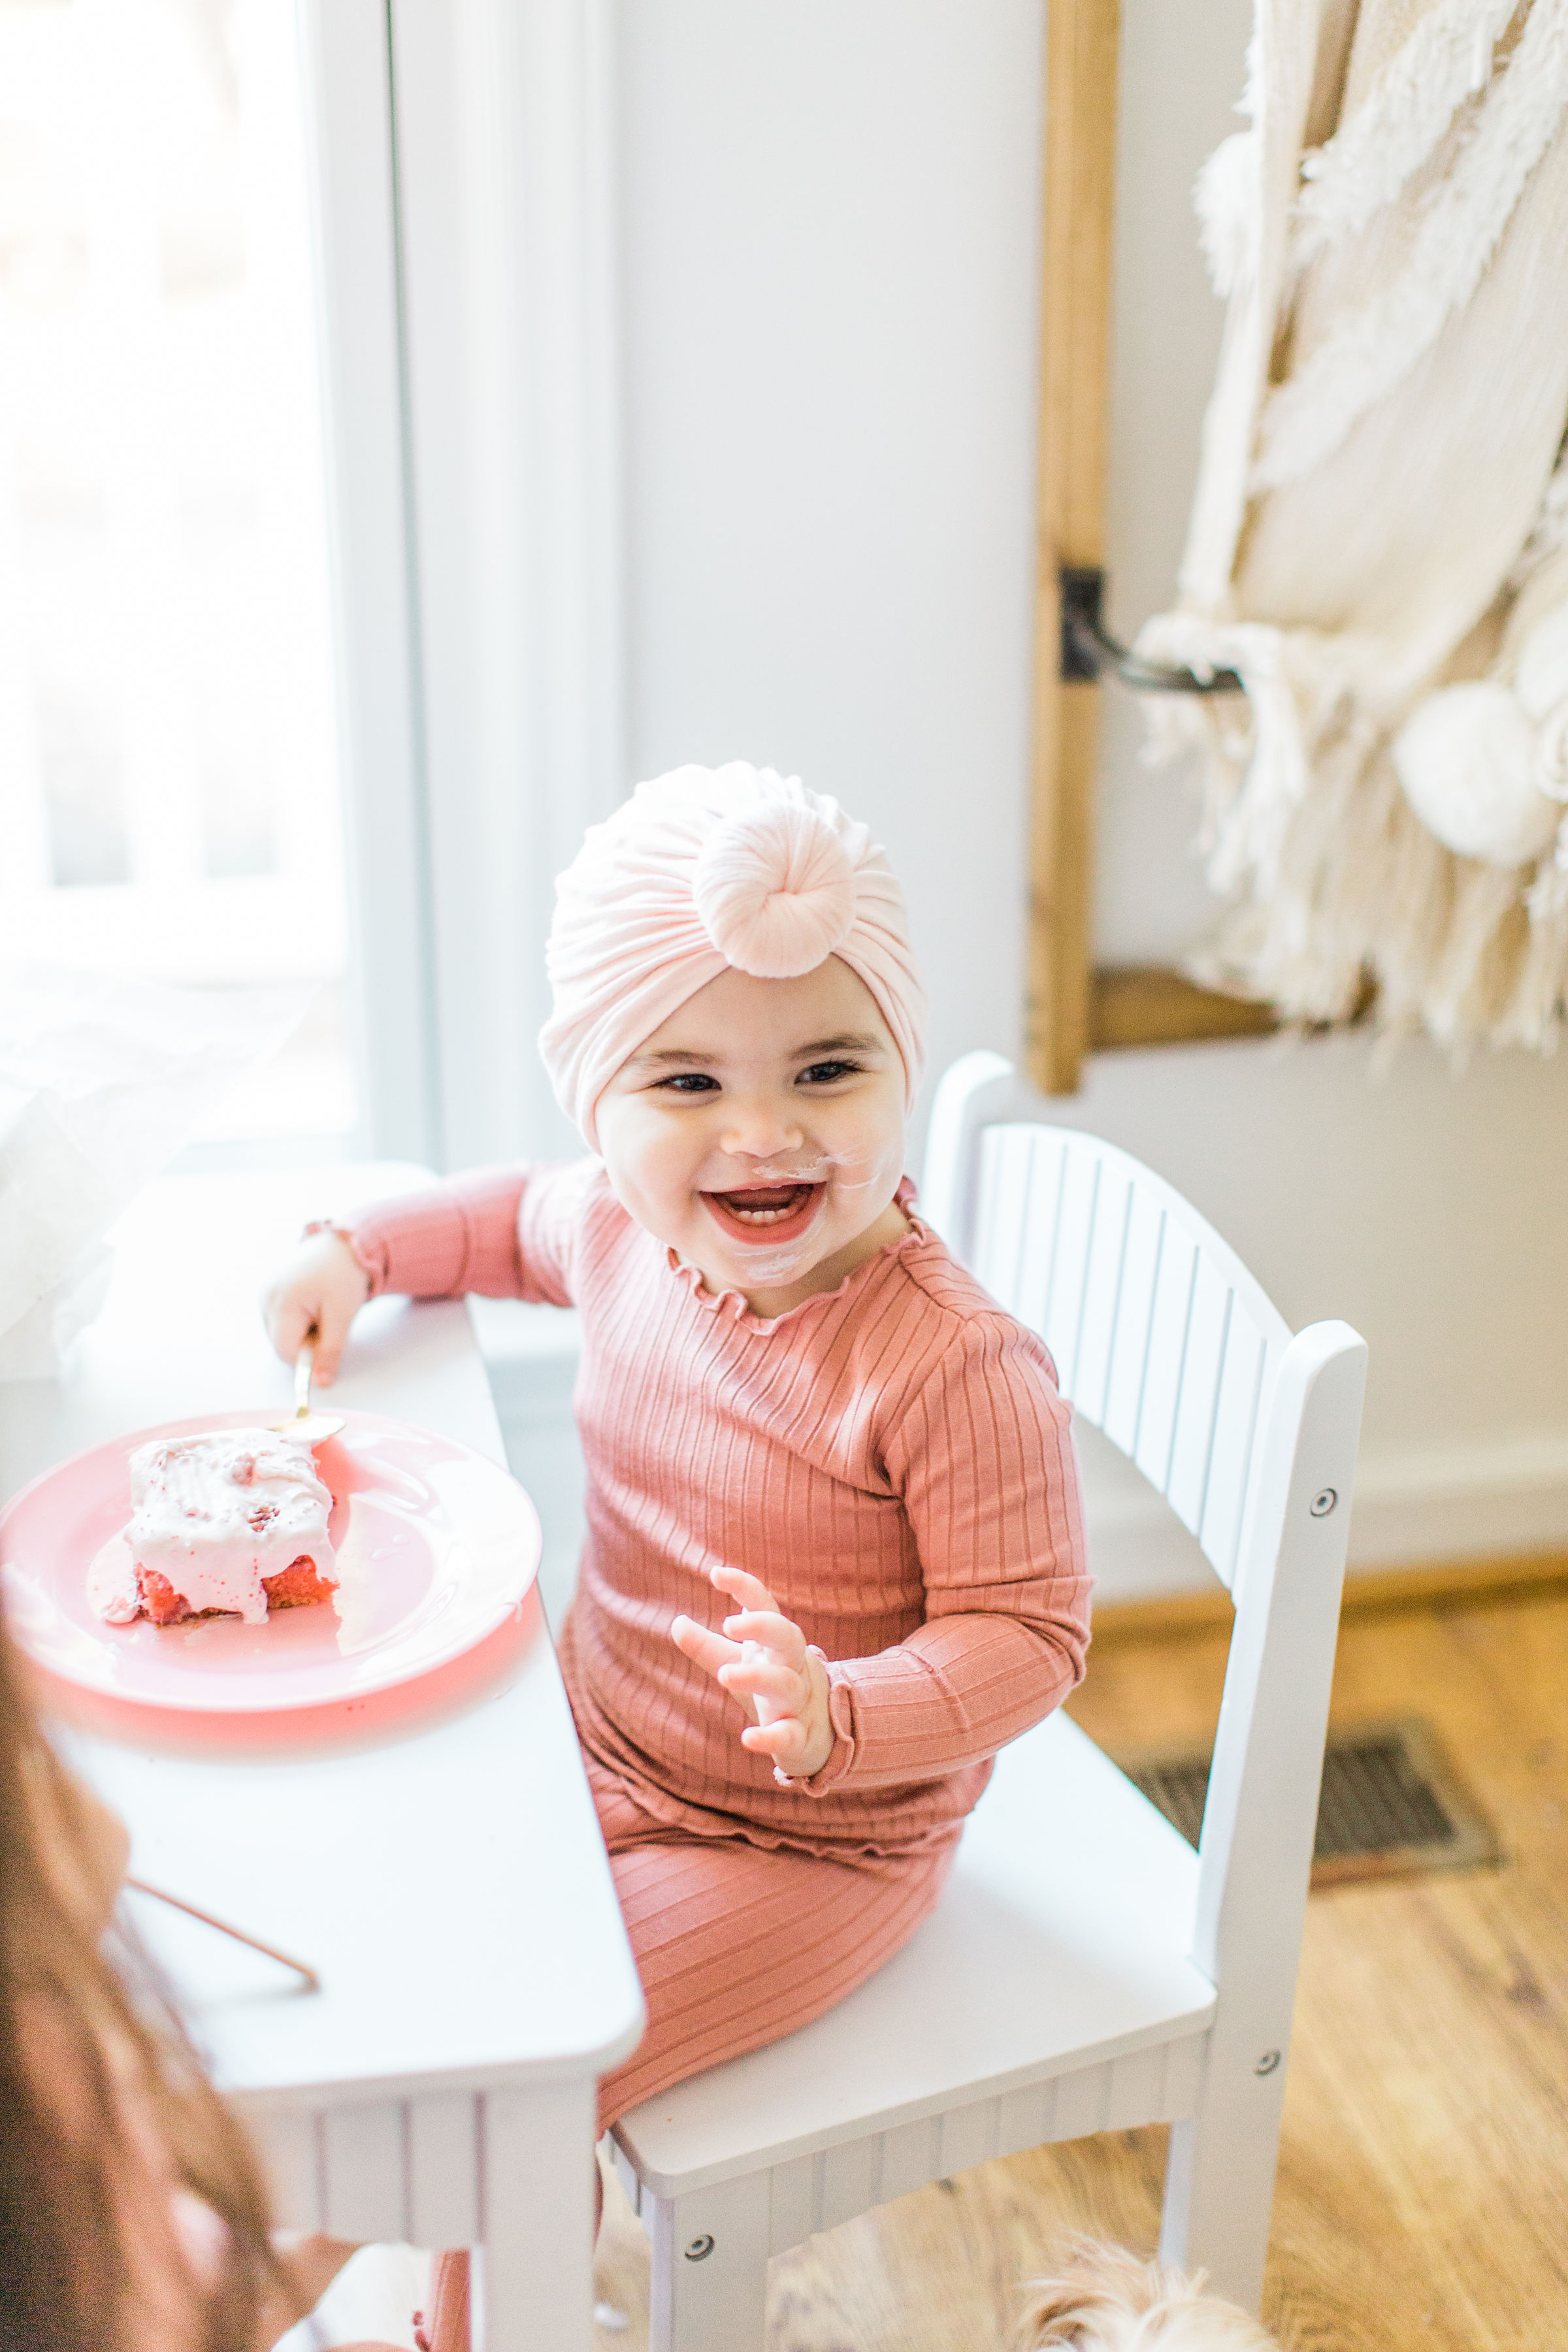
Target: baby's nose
(761, 1130)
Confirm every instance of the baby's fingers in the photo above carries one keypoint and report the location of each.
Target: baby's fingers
(784, 1741)
(332, 1322)
(289, 1319)
(702, 1646)
(749, 1590)
(766, 1626)
(761, 1677)
(321, 1289)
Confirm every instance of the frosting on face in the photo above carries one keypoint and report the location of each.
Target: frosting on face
(760, 1133)
(215, 1513)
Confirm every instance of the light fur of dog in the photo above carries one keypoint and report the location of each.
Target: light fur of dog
(1103, 2299)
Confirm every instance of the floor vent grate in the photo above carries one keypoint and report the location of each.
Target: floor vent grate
(1391, 1803)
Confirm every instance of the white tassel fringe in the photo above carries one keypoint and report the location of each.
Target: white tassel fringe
(1374, 154)
(1373, 349)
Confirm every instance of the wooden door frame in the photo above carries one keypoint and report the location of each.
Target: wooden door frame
(1075, 1009)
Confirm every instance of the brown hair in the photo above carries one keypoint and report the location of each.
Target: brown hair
(105, 2111)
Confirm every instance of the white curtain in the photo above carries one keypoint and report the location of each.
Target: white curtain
(1379, 538)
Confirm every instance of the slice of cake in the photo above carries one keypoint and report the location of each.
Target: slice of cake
(234, 1520)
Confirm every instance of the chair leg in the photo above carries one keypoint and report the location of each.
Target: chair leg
(710, 2286)
(1220, 2180)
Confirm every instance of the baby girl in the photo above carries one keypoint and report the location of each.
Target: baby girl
(791, 1396)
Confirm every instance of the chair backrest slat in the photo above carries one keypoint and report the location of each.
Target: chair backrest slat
(1008, 1215)
(1103, 1279)
(1165, 1340)
(1197, 1405)
(1239, 1409)
(1077, 1203)
(1159, 1334)
(1155, 1447)
(1145, 1226)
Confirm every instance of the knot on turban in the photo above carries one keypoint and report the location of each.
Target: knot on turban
(774, 890)
(708, 868)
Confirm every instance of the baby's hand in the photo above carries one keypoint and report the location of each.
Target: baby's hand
(766, 1660)
(321, 1286)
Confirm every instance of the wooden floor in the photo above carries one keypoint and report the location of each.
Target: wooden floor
(1423, 2198)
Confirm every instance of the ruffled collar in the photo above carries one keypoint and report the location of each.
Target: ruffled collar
(734, 1301)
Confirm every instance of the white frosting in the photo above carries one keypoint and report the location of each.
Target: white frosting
(216, 1513)
(112, 1588)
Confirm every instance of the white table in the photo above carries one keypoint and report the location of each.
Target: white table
(448, 1884)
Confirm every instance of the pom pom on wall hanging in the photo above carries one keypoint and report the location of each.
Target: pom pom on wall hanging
(1378, 545)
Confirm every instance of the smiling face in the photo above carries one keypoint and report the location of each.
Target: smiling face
(759, 1132)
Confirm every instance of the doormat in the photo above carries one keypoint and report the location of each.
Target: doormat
(1392, 1805)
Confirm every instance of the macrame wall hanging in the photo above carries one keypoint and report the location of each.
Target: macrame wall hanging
(1378, 544)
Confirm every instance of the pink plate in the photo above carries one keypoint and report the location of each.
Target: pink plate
(435, 1546)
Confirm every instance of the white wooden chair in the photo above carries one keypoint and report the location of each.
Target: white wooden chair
(1084, 1971)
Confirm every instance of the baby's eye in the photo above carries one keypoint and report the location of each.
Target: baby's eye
(686, 1082)
(822, 1074)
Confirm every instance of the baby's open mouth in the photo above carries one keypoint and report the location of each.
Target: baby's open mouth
(767, 1212)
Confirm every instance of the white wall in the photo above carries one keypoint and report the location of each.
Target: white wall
(828, 255)
(828, 241)
(1423, 1207)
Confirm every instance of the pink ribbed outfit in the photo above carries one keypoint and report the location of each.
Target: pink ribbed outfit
(893, 1461)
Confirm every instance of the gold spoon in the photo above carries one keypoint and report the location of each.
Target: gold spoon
(309, 1428)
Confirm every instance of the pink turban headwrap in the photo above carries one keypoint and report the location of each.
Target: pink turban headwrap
(704, 869)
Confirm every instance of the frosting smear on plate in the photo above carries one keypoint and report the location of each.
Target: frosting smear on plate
(232, 1519)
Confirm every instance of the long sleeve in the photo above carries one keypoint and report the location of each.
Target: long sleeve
(890, 1459)
(983, 1459)
(505, 1232)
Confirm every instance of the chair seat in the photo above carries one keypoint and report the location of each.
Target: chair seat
(1060, 1941)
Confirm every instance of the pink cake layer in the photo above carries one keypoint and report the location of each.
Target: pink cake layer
(215, 1520)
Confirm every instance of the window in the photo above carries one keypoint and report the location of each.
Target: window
(287, 702)
(169, 794)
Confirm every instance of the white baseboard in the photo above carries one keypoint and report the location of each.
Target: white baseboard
(1490, 1495)
(1504, 1493)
